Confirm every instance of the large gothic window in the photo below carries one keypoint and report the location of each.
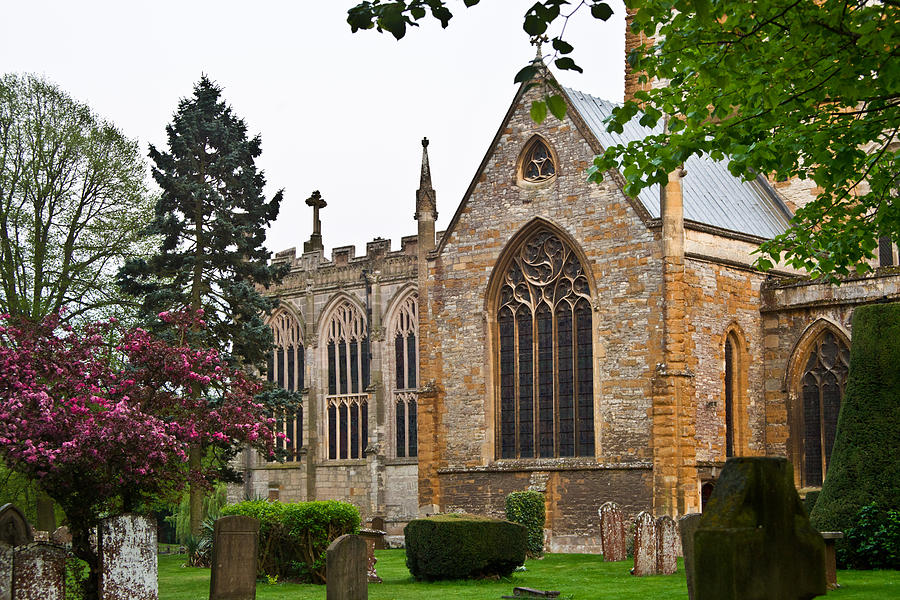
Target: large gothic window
(405, 333)
(821, 390)
(286, 371)
(347, 344)
(545, 352)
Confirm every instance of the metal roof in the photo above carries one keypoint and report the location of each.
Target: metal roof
(712, 195)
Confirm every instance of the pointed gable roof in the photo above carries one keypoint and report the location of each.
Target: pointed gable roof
(712, 195)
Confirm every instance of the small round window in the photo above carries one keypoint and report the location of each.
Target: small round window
(537, 163)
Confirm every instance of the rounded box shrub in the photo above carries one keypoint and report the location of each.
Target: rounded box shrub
(527, 508)
(459, 546)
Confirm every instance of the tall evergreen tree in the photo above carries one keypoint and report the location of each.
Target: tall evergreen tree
(211, 217)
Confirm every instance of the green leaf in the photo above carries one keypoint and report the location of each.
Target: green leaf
(567, 64)
(538, 111)
(601, 11)
(534, 25)
(557, 106)
(562, 46)
(526, 74)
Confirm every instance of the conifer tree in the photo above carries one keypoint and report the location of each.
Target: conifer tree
(211, 217)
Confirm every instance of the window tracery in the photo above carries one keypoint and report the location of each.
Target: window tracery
(545, 352)
(347, 347)
(286, 370)
(821, 390)
(405, 333)
(538, 164)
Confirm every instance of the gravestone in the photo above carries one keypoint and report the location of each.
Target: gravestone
(128, 567)
(687, 525)
(61, 536)
(346, 569)
(39, 572)
(645, 545)
(612, 532)
(14, 527)
(6, 567)
(371, 537)
(754, 541)
(830, 538)
(666, 545)
(378, 525)
(234, 557)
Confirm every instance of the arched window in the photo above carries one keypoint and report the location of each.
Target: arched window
(821, 390)
(537, 162)
(729, 395)
(544, 326)
(286, 369)
(347, 344)
(405, 333)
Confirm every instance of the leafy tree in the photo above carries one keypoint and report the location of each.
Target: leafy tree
(73, 203)
(785, 88)
(211, 216)
(106, 428)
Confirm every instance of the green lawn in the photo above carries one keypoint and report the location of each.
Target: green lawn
(577, 576)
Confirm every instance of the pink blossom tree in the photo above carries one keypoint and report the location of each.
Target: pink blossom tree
(104, 427)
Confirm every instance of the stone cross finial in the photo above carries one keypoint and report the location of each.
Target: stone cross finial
(315, 240)
(538, 41)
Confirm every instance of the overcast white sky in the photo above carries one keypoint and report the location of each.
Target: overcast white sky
(339, 112)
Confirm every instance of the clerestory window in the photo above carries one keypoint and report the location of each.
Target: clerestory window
(545, 354)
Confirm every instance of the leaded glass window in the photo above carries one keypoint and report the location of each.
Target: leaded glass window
(405, 332)
(286, 370)
(729, 396)
(347, 353)
(538, 164)
(822, 387)
(545, 353)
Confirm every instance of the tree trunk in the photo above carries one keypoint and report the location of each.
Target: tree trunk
(196, 492)
(81, 547)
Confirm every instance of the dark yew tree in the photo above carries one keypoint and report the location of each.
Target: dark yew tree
(211, 216)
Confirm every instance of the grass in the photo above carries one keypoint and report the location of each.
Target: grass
(577, 576)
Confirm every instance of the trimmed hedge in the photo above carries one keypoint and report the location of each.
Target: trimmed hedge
(810, 500)
(527, 508)
(864, 468)
(459, 546)
(294, 536)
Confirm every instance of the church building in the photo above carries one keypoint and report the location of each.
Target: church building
(559, 336)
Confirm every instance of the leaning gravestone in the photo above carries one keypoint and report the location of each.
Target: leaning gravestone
(345, 575)
(645, 546)
(39, 572)
(6, 567)
(666, 545)
(234, 556)
(687, 525)
(128, 567)
(612, 532)
(754, 541)
(14, 527)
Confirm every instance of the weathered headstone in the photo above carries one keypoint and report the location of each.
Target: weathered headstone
(830, 538)
(645, 546)
(346, 569)
(6, 567)
(378, 525)
(687, 525)
(612, 532)
(39, 572)
(234, 556)
(754, 541)
(14, 527)
(666, 545)
(371, 538)
(128, 567)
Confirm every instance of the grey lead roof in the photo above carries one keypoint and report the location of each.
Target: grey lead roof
(712, 195)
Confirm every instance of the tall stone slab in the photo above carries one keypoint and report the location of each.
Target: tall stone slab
(39, 572)
(14, 527)
(645, 546)
(666, 545)
(687, 525)
(234, 557)
(612, 532)
(128, 564)
(346, 569)
(6, 569)
(754, 541)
